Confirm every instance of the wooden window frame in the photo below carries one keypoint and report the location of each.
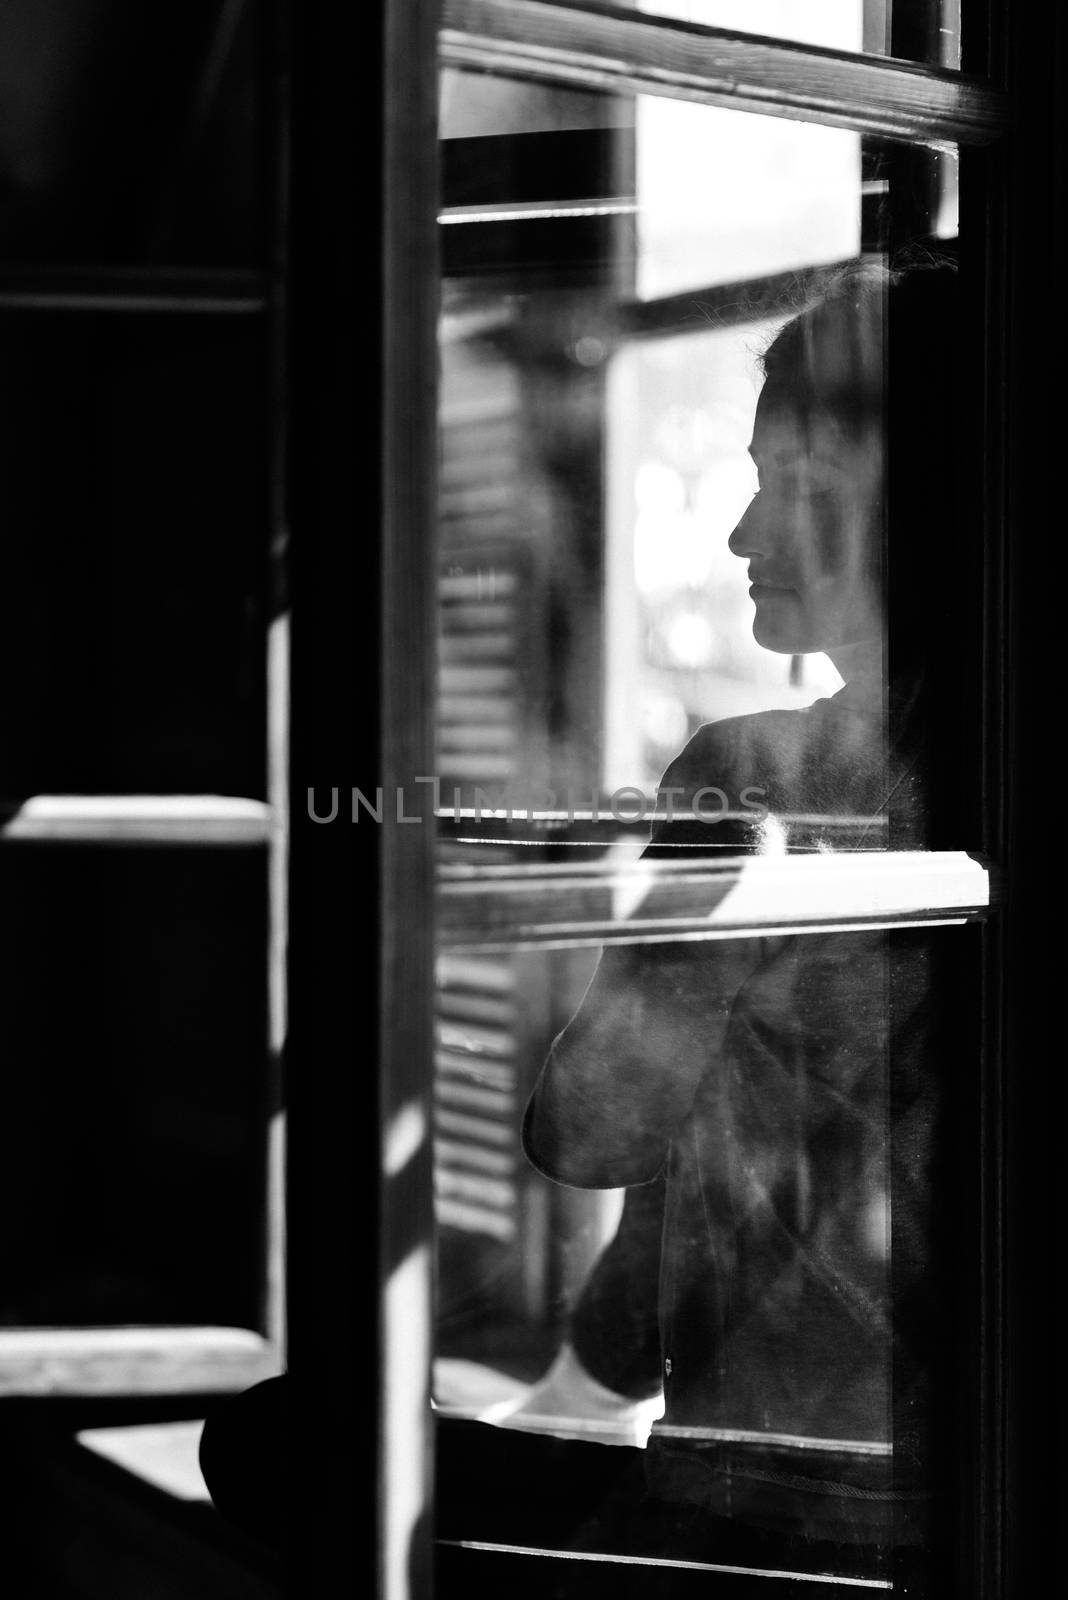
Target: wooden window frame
(608, 47)
(382, 150)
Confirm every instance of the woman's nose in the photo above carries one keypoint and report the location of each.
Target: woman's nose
(746, 540)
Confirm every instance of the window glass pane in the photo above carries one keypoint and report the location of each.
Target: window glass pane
(752, 195)
(755, 195)
(679, 478)
(698, 516)
(715, 1246)
(917, 30)
(598, 451)
(834, 24)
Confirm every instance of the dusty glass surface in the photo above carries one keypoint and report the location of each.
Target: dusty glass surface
(714, 1247)
(687, 1103)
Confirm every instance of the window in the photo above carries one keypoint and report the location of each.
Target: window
(591, 628)
(553, 343)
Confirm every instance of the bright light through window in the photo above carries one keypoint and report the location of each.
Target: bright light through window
(723, 197)
(837, 24)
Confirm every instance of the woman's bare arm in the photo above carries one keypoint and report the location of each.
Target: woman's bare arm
(621, 1077)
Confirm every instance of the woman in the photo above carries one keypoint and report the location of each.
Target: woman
(782, 1087)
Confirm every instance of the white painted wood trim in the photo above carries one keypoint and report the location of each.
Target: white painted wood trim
(131, 1360)
(139, 819)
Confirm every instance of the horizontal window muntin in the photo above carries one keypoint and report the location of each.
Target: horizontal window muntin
(622, 818)
(136, 819)
(106, 1361)
(635, 52)
(560, 904)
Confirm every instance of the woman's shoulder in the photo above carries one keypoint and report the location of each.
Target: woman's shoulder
(745, 750)
(821, 761)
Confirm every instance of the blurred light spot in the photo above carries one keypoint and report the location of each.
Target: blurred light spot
(689, 639)
(589, 352)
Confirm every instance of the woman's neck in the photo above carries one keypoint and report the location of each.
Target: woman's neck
(861, 666)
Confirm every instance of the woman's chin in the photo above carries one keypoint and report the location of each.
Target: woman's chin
(777, 640)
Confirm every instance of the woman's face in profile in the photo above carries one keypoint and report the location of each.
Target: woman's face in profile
(812, 533)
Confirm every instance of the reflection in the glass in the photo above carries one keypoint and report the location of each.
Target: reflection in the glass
(680, 650)
(779, 1087)
(668, 568)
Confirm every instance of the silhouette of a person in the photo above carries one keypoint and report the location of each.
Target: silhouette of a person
(780, 1087)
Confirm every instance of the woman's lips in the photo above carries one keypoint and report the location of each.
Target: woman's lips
(758, 587)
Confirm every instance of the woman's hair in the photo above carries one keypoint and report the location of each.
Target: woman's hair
(849, 298)
(852, 328)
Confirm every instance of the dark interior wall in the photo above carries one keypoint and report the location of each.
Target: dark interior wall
(132, 504)
(131, 1144)
(130, 132)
